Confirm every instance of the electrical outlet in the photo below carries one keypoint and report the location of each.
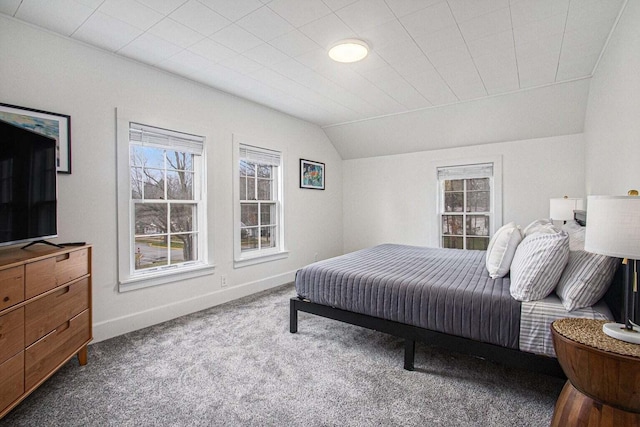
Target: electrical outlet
(223, 281)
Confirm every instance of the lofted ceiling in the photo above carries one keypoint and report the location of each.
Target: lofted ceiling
(425, 53)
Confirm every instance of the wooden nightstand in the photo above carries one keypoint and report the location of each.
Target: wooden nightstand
(603, 387)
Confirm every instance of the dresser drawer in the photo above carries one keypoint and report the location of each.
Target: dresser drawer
(11, 380)
(45, 314)
(40, 276)
(11, 286)
(11, 333)
(42, 357)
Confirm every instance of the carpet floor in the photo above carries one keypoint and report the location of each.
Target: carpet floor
(237, 365)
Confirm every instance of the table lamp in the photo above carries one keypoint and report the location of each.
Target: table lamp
(613, 229)
(561, 209)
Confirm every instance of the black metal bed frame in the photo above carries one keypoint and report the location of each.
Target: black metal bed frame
(411, 334)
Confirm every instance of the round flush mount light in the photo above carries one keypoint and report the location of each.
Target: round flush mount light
(350, 50)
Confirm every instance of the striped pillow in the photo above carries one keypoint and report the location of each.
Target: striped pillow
(537, 265)
(576, 234)
(585, 279)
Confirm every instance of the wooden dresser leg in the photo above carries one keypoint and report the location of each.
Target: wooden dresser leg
(82, 356)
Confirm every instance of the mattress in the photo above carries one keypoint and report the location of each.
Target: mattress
(444, 290)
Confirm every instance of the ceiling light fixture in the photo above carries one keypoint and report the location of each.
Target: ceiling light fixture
(350, 50)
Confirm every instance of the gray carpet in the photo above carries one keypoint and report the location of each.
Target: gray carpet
(237, 364)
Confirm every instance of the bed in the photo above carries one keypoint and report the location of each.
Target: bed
(439, 296)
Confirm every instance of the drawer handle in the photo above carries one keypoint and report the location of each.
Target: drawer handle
(62, 257)
(62, 327)
(63, 291)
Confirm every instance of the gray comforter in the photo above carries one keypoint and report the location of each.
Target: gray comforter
(445, 290)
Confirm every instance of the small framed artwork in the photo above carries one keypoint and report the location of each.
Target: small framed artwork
(311, 174)
(53, 125)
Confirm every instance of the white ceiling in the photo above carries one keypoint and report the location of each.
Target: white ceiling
(425, 53)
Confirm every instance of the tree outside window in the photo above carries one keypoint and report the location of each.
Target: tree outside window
(165, 198)
(466, 207)
(259, 227)
(258, 218)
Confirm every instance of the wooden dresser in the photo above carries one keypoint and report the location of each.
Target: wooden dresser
(45, 316)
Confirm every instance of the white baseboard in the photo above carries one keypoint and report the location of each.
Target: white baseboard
(121, 325)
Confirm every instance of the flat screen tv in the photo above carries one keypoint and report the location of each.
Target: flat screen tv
(28, 188)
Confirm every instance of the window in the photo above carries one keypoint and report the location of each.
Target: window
(466, 206)
(259, 219)
(164, 230)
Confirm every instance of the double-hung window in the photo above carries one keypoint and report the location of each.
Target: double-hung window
(466, 205)
(167, 204)
(259, 213)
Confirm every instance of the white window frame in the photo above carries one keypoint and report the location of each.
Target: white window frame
(128, 277)
(247, 258)
(495, 211)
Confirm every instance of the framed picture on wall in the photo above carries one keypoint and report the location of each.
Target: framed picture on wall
(53, 125)
(311, 174)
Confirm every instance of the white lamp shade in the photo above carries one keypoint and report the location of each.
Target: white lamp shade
(613, 226)
(561, 209)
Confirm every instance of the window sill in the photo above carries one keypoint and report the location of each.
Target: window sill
(161, 277)
(259, 259)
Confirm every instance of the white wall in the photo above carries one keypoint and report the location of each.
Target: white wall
(532, 113)
(393, 198)
(612, 124)
(48, 72)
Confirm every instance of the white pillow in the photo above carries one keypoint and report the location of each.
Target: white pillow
(539, 225)
(501, 249)
(572, 227)
(585, 279)
(537, 265)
